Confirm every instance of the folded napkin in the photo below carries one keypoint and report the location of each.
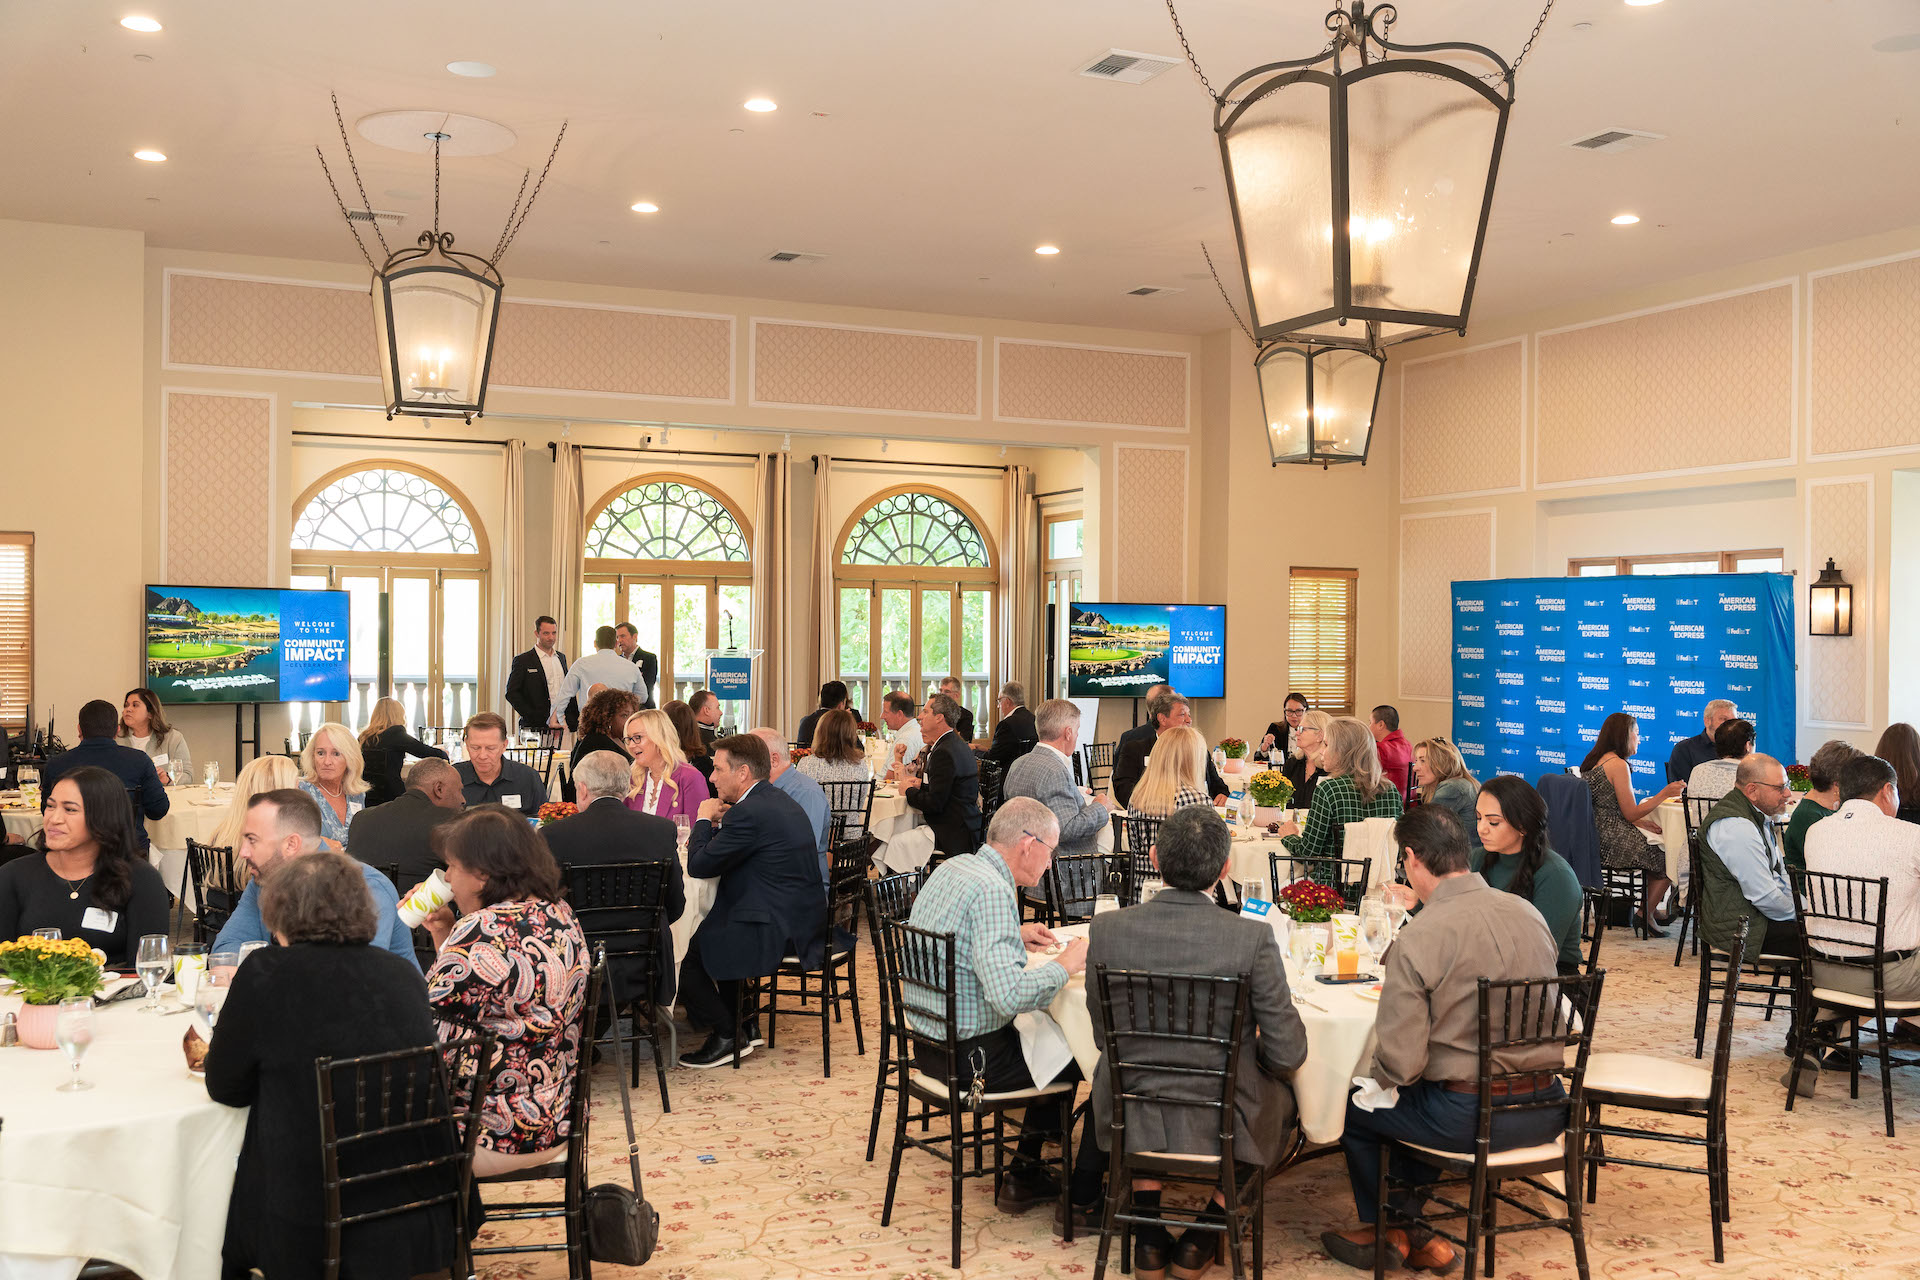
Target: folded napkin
(1374, 1096)
(1043, 1044)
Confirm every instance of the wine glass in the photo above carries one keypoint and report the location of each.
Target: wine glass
(1376, 928)
(51, 935)
(153, 962)
(212, 776)
(73, 1032)
(1105, 902)
(683, 830)
(208, 998)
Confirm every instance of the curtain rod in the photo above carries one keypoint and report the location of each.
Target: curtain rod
(678, 453)
(1054, 493)
(908, 462)
(400, 440)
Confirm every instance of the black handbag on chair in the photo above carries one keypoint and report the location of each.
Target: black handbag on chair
(622, 1228)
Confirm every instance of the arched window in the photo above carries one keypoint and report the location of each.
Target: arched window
(394, 528)
(674, 560)
(916, 587)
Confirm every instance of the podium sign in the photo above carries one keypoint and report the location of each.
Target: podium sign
(731, 679)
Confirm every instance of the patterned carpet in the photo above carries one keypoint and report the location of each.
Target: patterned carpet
(1816, 1193)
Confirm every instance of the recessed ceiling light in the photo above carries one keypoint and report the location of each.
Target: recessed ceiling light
(761, 104)
(1047, 250)
(1641, 4)
(1625, 219)
(139, 22)
(646, 206)
(150, 155)
(477, 70)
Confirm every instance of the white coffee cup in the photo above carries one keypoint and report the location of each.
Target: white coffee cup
(426, 898)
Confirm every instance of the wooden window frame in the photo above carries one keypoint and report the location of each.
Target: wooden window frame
(1353, 637)
(1623, 565)
(20, 663)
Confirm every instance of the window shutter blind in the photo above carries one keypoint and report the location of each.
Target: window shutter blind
(16, 627)
(1320, 637)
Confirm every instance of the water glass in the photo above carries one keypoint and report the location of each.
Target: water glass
(1376, 928)
(683, 830)
(248, 948)
(153, 962)
(222, 964)
(51, 935)
(208, 999)
(1104, 903)
(73, 1032)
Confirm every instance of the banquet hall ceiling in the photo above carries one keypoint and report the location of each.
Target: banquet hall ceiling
(926, 149)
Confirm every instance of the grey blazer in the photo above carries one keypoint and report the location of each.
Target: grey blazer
(1044, 776)
(1185, 933)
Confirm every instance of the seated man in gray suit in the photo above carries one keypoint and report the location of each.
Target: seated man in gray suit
(1046, 774)
(1181, 931)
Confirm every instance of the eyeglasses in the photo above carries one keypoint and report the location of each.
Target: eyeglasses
(634, 739)
(1037, 840)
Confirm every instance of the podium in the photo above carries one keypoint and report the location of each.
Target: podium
(730, 675)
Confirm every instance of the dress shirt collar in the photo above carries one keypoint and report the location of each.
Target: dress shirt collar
(1065, 759)
(990, 856)
(1454, 886)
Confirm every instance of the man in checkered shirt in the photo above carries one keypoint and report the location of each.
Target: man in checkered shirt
(975, 897)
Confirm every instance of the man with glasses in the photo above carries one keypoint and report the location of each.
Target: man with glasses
(975, 897)
(1742, 869)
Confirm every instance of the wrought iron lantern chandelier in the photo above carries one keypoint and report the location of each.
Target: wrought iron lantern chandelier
(1318, 401)
(436, 308)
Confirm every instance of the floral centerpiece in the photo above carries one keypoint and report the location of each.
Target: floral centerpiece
(1233, 748)
(1271, 792)
(1310, 902)
(869, 728)
(799, 753)
(555, 810)
(46, 971)
(1798, 778)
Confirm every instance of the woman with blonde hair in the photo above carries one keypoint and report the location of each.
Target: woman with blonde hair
(1303, 766)
(1176, 775)
(261, 774)
(1353, 788)
(1442, 778)
(332, 772)
(664, 784)
(385, 745)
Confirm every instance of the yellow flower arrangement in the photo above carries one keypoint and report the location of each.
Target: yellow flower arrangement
(1271, 789)
(49, 970)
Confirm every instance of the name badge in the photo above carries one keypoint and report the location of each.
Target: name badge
(512, 802)
(160, 762)
(100, 920)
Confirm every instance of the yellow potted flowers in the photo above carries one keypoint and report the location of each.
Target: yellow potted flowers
(1271, 791)
(46, 971)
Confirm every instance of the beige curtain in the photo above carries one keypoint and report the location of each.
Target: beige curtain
(772, 523)
(569, 541)
(826, 557)
(513, 601)
(1020, 639)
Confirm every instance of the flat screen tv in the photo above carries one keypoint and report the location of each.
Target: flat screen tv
(1121, 650)
(245, 644)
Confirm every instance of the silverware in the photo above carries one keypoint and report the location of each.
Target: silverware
(168, 1013)
(1310, 1004)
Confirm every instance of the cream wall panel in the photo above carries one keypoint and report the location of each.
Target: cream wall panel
(824, 366)
(1150, 499)
(261, 325)
(1435, 552)
(1702, 386)
(1065, 383)
(1839, 669)
(1864, 358)
(217, 488)
(1463, 423)
(621, 351)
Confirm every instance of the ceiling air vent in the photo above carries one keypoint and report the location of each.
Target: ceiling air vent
(1613, 141)
(793, 255)
(1126, 66)
(385, 217)
(1150, 290)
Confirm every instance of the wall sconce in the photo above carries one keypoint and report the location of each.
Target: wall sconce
(1830, 604)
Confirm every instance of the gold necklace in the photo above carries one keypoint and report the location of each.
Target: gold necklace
(73, 886)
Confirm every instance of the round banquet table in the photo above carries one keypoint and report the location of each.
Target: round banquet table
(137, 1170)
(1340, 1041)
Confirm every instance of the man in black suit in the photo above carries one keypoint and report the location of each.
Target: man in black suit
(950, 685)
(947, 794)
(833, 697)
(1165, 710)
(605, 830)
(626, 642)
(534, 681)
(769, 902)
(399, 833)
(99, 721)
(705, 705)
(1015, 734)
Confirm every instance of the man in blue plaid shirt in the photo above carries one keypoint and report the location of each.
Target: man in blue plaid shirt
(975, 897)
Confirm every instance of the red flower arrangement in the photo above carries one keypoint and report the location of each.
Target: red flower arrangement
(869, 728)
(1233, 748)
(1798, 778)
(554, 810)
(1310, 902)
(799, 753)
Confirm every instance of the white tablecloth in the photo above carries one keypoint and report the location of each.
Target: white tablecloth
(190, 816)
(700, 896)
(137, 1170)
(1339, 1041)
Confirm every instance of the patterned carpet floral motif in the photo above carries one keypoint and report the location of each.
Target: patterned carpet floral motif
(1818, 1193)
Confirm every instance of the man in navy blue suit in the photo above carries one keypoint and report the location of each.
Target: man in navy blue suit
(99, 721)
(770, 903)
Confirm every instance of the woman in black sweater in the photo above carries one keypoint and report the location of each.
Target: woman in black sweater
(89, 879)
(385, 746)
(323, 992)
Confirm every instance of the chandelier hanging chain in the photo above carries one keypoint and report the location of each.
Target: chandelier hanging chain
(1186, 48)
(1527, 48)
(436, 185)
(514, 229)
(1231, 309)
(347, 217)
(358, 185)
(517, 197)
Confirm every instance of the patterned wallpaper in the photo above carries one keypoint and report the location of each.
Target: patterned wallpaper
(871, 369)
(1150, 504)
(606, 349)
(253, 324)
(1840, 525)
(219, 451)
(1435, 552)
(1702, 385)
(1866, 358)
(1461, 422)
(1097, 386)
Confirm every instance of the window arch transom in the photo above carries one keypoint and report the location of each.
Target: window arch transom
(666, 520)
(915, 528)
(385, 510)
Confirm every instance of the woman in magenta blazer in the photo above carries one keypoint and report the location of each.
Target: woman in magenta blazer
(664, 784)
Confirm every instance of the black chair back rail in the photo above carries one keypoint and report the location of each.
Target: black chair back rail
(598, 894)
(847, 868)
(216, 888)
(1099, 758)
(1348, 876)
(1137, 868)
(888, 898)
(1071, 882)
(852, 801)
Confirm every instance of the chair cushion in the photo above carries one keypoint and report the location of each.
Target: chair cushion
(1852, 1000)
(1554, 1152)
(794, 961)
(938, 1088)
(1185, 1157)
(1624, 1075)
(1764, 960)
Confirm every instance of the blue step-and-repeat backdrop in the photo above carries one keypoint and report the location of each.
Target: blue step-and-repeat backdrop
(1540, 663)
